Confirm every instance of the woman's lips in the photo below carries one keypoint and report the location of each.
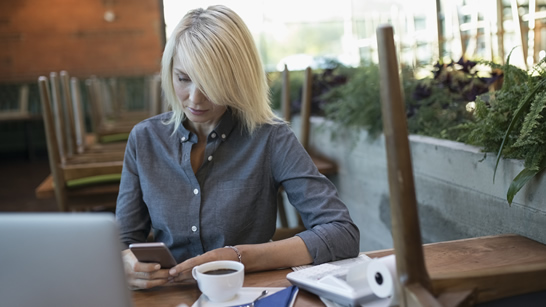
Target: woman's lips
(197, 112)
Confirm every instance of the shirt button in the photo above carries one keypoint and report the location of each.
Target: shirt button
(213, 135)
(223, 136)
(183, 138)
(210, 158)
(195, 191)
(194, 228)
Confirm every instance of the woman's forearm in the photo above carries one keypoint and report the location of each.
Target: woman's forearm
(273, 255)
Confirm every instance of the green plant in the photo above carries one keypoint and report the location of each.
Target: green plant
(335, 74)
(511, 122)
(434, 105)
(437, 105)
(275, 85)
(356, 103)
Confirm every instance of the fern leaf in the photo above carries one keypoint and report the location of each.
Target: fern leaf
(531, 121)
(521, 179)
(519, 113)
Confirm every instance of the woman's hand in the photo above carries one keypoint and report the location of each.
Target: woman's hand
(183, 270)
(256, 257)
(142, 275)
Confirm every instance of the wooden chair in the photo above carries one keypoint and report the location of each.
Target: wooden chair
(66, 124)
(21, 115)
(117, 125)
(106, 130)
(157, 104)
(324, 166)
(84, 142)
(21, 112)
(77, 185)
(481, 283)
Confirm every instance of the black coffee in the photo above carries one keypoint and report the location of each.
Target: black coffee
(220, 272)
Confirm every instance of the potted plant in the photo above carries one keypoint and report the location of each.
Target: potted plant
(511, 121)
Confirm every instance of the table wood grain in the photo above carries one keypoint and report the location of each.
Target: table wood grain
(441, 259)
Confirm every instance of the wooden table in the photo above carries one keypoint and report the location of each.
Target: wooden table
(441, 259)
(189, 293)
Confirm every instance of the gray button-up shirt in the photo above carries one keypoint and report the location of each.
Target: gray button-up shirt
(232, 197)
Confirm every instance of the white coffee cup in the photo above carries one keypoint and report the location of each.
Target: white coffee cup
(221, 280)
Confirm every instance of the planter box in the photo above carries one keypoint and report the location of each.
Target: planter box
(454, 185)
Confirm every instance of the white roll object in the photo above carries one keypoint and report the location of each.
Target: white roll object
(383, 279)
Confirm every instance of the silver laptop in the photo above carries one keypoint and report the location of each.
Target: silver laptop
(61, 259)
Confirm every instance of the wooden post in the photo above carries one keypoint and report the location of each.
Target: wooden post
(405, 221)
(306, 100)
(79, 118)
(519, 31)
(52, 145)
(69, 111)
(285, 95)
(500, 30)
(58, 115)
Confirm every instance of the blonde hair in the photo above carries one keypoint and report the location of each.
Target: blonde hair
(218, 53)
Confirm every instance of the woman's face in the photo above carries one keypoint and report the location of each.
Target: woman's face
(195, 105)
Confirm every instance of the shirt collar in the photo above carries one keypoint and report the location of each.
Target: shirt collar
(222, 130)
(225, 126)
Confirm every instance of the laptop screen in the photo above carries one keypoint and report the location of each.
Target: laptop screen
(61, 259)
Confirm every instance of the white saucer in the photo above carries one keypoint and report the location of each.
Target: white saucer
(245, 295)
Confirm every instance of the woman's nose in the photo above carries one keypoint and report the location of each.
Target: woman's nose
(196, 96)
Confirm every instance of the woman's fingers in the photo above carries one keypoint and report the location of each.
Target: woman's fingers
(150, 279)
(146, 267)
(183, 270)
(146, 283)
(142, 275)
(160, 274)
(185, 267)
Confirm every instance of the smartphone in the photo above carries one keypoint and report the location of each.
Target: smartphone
(155, 252)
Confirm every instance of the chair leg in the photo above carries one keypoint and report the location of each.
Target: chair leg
(285, 231)
(281, 208)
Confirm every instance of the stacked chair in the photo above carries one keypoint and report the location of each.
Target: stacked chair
(85, 142)
(110, 120)
(80, 179)
(86, 167)
(324, 166)
(110, 131)
(495, 267)
(72, 137)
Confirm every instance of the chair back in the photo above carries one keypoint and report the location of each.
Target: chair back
(96, 112)
(68, 107)
(285, 95)
(58, 116)
(23, 99)
(306, 100)
(514, 274)
(403, 203)
(154, 84)
(79, 118)
(53, 147)
(65, 116)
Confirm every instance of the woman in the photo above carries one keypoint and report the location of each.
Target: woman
(205, 176)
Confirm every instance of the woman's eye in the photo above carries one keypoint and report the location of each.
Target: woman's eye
(183, 79)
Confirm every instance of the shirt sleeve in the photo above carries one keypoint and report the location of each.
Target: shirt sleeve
(331, 234)
(131, 211)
